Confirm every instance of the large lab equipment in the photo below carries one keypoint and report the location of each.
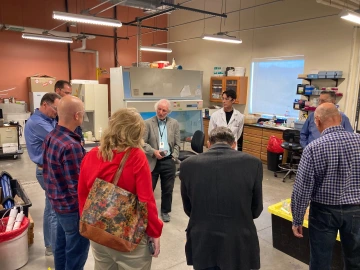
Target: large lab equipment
(95, 98)
(141, 88)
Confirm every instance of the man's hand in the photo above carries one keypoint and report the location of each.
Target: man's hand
(298, 231)
(157, 154)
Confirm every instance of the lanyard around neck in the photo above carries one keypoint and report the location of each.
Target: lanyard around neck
(162, 132)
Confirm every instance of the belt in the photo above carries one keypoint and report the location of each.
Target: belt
(40, 167)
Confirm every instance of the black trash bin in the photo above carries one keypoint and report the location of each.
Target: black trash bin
(273, 161)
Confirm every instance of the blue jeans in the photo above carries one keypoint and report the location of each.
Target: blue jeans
(71, 248)
(49, 218)
(324, 223)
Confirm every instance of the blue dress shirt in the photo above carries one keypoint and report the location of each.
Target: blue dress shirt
(163, 137)
(37, 127)
(309, 131)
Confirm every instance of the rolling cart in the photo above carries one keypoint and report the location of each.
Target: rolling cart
(10, 136)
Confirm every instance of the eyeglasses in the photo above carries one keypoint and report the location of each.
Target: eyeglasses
(321, 101)
(66, 92)
(52, 107)
(228, 98)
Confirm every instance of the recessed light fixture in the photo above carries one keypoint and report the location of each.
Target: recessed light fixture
(70, 17)
(222, 38)
(47, 38)
(155, 49)
(350, 16)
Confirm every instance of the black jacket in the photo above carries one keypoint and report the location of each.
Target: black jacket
(222, 194)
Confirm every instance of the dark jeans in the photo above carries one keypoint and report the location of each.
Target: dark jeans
(166, 169)
(324, 223)
(71, 248)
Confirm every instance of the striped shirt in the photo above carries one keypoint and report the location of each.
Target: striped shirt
(329, 172)
(62, 157)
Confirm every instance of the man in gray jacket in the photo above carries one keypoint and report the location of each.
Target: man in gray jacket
(221, 191)
(162, 145)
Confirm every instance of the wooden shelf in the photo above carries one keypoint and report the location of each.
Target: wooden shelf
(217, 89)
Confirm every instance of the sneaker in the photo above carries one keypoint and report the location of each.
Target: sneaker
(48, 251)
(165, 217)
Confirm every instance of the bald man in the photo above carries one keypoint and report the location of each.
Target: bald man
(62, 157)
(329, 177)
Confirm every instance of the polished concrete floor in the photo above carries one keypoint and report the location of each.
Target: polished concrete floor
(173, 238)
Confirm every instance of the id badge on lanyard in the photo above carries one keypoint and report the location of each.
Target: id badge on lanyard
(162, 145)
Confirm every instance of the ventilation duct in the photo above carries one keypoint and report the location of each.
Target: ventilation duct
(146, 5)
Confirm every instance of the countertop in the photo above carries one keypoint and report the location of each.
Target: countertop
(268, 127)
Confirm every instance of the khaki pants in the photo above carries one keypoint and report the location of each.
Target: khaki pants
(110, 259)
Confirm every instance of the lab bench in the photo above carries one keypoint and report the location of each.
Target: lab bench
(256, 138)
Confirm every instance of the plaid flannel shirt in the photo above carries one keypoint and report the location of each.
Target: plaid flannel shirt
(62, 157)
(329, 172)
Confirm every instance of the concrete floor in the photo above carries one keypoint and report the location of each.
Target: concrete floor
(173, 238)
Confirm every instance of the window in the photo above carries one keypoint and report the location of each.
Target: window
(273, 85)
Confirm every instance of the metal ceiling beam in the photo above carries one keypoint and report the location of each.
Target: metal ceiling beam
(148, 27)
(194, 9)
(107, 36)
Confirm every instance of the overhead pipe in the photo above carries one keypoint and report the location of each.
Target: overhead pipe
(31, 30)
(339, 4)
(84, 50)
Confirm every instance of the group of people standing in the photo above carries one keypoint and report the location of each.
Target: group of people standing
(221, 189)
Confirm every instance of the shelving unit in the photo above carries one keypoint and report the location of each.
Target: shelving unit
(219, 84)
(337, 82)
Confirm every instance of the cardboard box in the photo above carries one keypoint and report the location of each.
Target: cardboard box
(10, 148)
(41, 84)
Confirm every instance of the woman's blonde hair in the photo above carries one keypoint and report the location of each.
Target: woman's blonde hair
(126, 129)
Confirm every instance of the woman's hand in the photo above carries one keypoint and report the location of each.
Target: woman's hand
(157, 246)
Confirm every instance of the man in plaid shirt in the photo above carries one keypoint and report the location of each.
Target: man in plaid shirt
(329, 177)
(62, 157)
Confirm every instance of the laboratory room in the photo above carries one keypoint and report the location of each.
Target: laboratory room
(179, 134)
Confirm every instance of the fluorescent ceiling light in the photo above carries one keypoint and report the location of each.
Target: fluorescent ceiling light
(47, 38)
(350, 16)
(222, 38)
(155, 49)
(69, 17)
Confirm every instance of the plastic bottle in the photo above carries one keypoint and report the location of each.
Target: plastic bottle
(19, 219)
(11, 220)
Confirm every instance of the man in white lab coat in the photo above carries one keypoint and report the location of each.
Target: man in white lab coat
(228, 116)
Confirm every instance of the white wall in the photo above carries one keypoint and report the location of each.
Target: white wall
(326, 43)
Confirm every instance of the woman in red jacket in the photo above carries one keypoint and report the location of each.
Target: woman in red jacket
(126, 129)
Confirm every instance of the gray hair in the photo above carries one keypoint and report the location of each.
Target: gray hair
(221, 135)
(168, 103)
(331, 94)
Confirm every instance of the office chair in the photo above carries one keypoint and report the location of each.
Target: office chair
(291, 143)
(197, 144)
